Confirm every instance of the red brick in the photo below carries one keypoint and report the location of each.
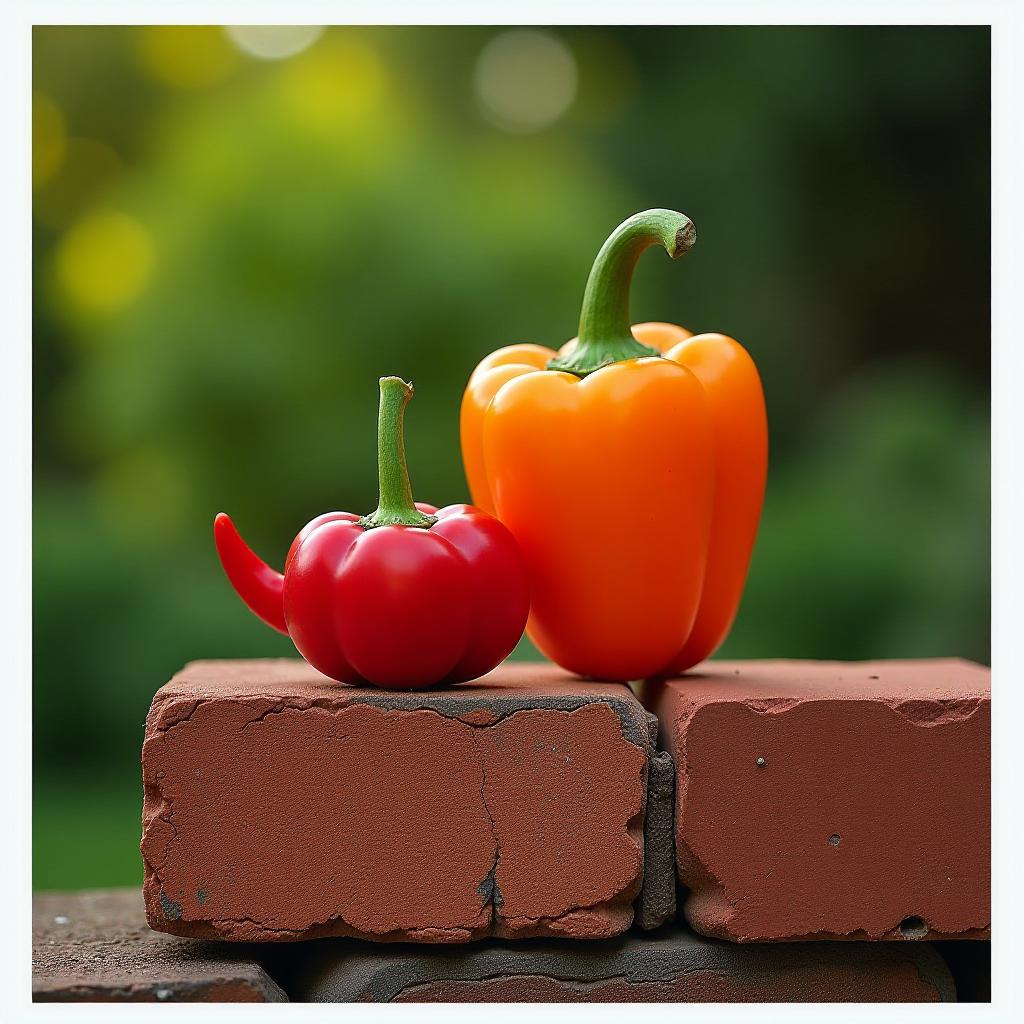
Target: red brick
(674, 966)
(96, 947)
(280, 805)
(831, 800)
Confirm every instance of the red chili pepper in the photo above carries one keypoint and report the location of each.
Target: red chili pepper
(407, 597)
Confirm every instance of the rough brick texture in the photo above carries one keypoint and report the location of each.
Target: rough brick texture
(657, 902)
(828, 800)
(280, 805)
(673, 966)
(96, 947)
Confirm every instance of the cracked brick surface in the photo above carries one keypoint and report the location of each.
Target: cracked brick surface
(831, 800)
(281, 806)
(674, 965)
(95, 946)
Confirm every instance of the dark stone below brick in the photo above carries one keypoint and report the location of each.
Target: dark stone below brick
(673, 965)
(657, 901)
(970, 963)
(96, 947)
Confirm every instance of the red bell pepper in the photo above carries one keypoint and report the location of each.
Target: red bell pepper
(407, 597)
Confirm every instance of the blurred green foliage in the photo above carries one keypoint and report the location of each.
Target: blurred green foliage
(229, 251)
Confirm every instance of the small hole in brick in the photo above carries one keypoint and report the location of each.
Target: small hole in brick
(913, 928)
(835, 839)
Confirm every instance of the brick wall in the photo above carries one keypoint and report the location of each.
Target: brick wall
(754, 831)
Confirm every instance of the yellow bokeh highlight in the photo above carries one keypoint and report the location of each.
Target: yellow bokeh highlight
(104, 261)
(337, 83)
(49, 139)
(186, 56)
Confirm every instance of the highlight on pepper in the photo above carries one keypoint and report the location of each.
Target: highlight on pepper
(630, 466)
(407, 597)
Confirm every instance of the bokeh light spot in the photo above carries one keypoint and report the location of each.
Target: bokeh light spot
(48, 139)
(185, 56)
(104, 261)
(335, 84)
(273, 42)
(525, 79)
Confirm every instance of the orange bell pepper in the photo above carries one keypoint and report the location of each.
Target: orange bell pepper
(630, 466)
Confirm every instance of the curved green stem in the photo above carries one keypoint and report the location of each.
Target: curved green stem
(396, 507)
(605, 335)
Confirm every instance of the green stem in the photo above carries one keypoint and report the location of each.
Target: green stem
(605, 335)
(396, 507)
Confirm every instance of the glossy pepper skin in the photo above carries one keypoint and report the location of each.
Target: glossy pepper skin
(631, 468)
(408, 597)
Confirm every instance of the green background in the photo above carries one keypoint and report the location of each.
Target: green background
(228, 251)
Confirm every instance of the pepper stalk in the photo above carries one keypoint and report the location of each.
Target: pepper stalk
(605, 334)
(395, 506)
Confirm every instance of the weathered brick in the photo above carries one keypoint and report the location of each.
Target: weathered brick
(280, 805)
(657, 902)
(829, 800)
(672, 966)
(96, 947)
